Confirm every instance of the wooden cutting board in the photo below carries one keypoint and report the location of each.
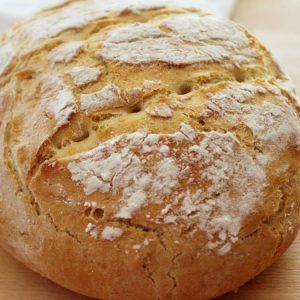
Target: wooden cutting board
(277, 24)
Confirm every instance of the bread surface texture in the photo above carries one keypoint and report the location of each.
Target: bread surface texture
(148, 150)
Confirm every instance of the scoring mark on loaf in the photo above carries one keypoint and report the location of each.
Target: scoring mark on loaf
(209, 156)
(190, 39)
(111, 96)
(152, 169)
(57, 104)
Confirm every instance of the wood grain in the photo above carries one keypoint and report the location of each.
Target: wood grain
(277, 24)
(280, 282)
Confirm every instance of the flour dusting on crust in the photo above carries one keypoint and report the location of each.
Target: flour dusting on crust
(273, 125)
(189, 39)
(65, 53)
(161, 110)
(80, 13)
(191, 179)
(108, 97)
(56, 104)
(92, 230)
(6, 57)
(84, 75)
(57, 101)
(111, 233)
(135, 95)
(150, 169)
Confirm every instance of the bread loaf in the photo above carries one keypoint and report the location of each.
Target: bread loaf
(149, 150)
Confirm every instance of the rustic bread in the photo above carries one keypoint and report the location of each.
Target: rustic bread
(147, 151)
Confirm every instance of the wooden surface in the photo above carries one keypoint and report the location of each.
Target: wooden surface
(277, 24)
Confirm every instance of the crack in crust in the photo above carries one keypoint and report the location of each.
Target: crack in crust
(266, 70)
(105, 64)
(21, 186)
(60, 230)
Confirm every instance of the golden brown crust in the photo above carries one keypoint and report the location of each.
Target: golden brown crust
(143, 156)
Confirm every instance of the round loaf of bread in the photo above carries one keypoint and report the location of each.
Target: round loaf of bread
(148, 150)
